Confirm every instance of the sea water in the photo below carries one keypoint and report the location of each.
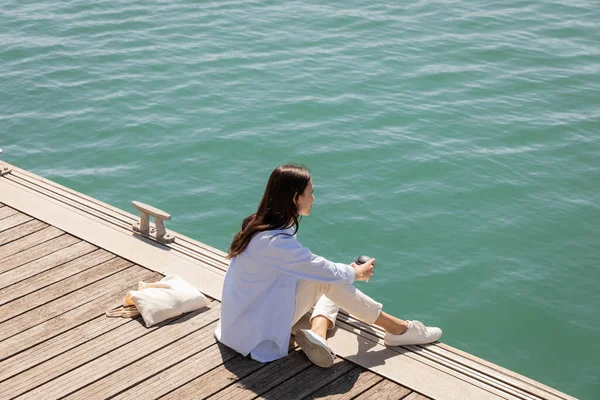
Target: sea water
(456, 142)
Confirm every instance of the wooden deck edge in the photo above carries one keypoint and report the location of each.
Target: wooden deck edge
(84, 198)
(463, 363)
(134, 248)
(109, 228)
(120, 219)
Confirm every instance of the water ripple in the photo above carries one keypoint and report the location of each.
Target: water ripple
(458, 141)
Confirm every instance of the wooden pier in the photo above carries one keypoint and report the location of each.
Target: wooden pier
(66, 258)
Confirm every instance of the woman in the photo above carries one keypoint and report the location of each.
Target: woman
(272, 281)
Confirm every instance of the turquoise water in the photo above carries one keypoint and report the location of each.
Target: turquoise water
(456, 142)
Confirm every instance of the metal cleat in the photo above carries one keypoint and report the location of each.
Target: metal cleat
(3, 168)
(143, 226)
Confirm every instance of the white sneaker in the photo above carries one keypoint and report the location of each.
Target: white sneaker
(417, 333)
(315, 348)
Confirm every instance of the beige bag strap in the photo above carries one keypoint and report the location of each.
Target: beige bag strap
(123, 311)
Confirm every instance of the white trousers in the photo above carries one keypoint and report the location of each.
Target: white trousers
(328, 298)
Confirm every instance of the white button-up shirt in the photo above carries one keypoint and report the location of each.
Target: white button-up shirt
(259, 292)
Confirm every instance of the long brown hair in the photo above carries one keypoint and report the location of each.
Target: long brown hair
(277, 209)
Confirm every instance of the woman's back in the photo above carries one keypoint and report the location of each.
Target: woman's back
(259, 292)
(253, 293)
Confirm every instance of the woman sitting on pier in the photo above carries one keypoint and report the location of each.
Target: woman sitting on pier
(272, 281)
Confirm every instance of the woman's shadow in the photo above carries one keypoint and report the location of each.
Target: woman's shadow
(295, 377)
(371, 351)
(292, 377)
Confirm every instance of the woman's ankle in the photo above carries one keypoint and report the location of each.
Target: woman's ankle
(320, 325)
(399, 329)
(391, 324)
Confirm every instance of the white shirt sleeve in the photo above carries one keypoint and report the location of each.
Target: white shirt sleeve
(285, 254)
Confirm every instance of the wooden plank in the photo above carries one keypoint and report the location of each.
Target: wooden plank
(45, 372)
(179, 374)
(462, 372)
(201, 255)
(103, 210)
(27, 242)
(20, 231)
(261, 381)
(316, 377)
(385, 390)
(498, 372)
(30, 179)
(61, 288)
(207, 255)
(57, 307)
(348, 386)
(224, 375)
(45, 263)
(38, 251)
(7, 212)
(199, 343)
(76, 314)
(71, 201)
(416, 396)
(120, 242)
(54, 275)
(58, 345)
(14, 220)
(455, 372)
(410, 369)
(126, 354)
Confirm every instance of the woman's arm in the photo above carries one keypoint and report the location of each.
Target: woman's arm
(285, 254)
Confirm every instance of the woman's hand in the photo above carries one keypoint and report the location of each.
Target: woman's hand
(363, 272)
